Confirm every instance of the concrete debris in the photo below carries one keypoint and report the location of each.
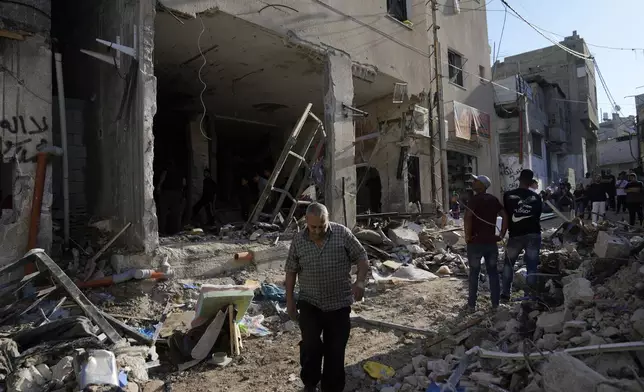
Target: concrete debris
(63, 370)
(611, 247)
(369, 236)
(551, 322)
(577, 291)
(403, 236)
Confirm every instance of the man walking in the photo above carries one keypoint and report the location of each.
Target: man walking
(481, 239)
(320, 258)
(209, 192)
(524, 209)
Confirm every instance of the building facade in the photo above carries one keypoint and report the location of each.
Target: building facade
(618, 148)
(220, 84)
(576, 78)
(25, 122)
(534, 130)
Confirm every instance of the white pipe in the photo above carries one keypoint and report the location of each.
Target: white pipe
(63, 142)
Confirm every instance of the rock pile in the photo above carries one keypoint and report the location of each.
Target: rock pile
(584, 333)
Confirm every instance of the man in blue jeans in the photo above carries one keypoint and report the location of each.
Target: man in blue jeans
(524, 209)
(480, 235)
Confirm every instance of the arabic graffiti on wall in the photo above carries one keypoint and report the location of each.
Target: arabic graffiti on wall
(509, 168)
(21, 138)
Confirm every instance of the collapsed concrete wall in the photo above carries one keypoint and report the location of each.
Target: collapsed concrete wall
(395, 124)
(120, 146)
(25, 123)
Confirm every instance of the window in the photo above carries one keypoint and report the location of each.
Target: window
(455, 62)
(482, 74)
(397, 9)
(537, 145)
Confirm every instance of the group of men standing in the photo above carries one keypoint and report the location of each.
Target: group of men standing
(605, 193)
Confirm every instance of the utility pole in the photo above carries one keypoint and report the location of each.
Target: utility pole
(438, 152)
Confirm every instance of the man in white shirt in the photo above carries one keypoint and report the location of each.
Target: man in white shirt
(621, 192)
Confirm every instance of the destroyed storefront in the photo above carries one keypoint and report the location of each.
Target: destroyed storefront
(229, 105)
(393, 157)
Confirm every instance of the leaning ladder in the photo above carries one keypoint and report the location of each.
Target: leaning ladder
(300, 158)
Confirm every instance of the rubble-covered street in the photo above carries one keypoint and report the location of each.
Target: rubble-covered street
(411, 332)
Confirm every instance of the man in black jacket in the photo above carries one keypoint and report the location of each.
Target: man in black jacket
(209, 192)
(634, 197)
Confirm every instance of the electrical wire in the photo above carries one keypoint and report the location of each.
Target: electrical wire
(505, 18)
(22, 83)
(33, 7)
(564, 48)
(205, 86)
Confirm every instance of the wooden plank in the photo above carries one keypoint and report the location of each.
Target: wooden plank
(85, 304)
(11, 35)
(208, 339)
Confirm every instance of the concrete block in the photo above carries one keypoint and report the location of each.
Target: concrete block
(369, 236)
(551, 322)
(610, 246)
(578, 291)
(63, 369)
(403, 236)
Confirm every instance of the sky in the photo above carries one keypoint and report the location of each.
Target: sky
(616, 23)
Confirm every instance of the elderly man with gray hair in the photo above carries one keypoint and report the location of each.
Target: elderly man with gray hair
(320, 258)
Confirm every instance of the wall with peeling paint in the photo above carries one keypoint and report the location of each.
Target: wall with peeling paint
(25, 124)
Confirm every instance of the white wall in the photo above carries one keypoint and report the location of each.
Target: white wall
(612, 151)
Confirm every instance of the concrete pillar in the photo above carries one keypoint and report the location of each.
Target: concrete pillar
(340, 152)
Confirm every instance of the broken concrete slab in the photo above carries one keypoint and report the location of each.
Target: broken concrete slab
(62, 370)
(369, 236)
(403, 236)
(611, 246)
(578, 291)
(551, 322)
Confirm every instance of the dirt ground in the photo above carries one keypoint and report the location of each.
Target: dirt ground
(271, 363)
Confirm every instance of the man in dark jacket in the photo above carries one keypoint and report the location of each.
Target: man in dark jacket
(209, 192)
(524, 208)
(634, 197)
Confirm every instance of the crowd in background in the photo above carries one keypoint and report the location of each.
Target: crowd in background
(596, 194)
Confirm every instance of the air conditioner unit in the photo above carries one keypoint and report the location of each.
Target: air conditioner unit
(420, 121)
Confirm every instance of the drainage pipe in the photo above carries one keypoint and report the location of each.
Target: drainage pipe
(63, 141)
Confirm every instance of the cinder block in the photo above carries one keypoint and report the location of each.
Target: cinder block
(611, 246)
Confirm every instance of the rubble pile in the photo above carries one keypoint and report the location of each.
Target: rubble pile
(396, 248)
(584, 329)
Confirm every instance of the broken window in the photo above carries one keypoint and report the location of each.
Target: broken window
(455, 61)
(6, 186)
(413, 179)
(537, 148)
(397, 9)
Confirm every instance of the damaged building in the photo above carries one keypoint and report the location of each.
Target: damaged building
(220, 85)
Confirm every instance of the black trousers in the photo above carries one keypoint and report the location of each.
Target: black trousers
(621, 203)
(334, 328)
(209, 204)
(634, 209)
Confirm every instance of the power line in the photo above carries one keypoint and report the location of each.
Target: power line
(564, 48)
